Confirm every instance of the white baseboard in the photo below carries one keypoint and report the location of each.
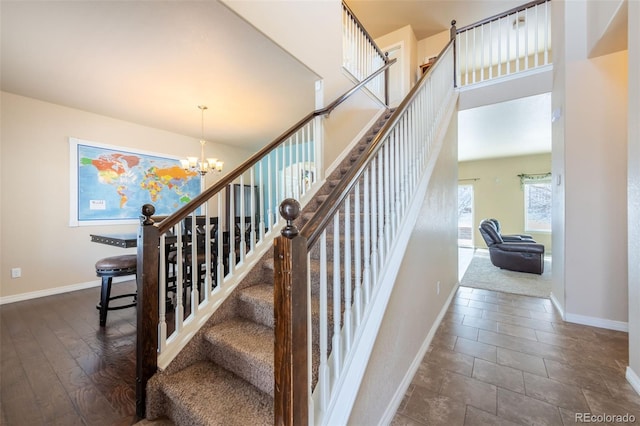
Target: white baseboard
(633, 379)
(57, 290)
(557, 305)
(393, 406)
(597, 322)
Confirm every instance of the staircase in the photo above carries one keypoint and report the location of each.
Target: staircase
(225, 375)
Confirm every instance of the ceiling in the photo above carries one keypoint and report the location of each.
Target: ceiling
(517, 127)
(153, 63)
(426, 17)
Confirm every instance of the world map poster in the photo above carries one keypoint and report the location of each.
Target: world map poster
(112, 184)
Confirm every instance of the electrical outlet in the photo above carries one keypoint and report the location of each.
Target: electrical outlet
(438, 288)
(16, 272)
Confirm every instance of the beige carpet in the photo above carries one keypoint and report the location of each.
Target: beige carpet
(482, 274)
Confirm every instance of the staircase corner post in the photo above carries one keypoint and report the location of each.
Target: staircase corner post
(291, 386)
(453, 36)
(147, 306)
(386, 80)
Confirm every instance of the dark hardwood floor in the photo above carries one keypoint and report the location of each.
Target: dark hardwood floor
(58, 367)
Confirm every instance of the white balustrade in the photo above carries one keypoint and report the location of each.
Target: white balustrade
(361, 56)
(359, 237)
(203, 258)
(516, 42)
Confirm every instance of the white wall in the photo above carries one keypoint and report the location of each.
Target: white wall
(607, 27)
(634, 191)
(594, 177)
(35, 190)
(431, 256)
(558, 155)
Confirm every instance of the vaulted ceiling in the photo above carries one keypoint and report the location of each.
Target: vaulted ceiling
(153, 63)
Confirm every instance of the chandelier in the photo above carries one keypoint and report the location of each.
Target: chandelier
(202, 165)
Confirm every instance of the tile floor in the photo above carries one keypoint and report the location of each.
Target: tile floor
(504, 359)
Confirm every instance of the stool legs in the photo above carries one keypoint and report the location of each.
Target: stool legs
(105, 295)
(105, 298)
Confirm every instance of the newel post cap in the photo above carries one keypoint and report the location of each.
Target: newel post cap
(147, 211)
(289, 210)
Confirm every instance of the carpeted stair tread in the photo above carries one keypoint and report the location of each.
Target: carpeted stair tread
(206, 394)
(244, 348)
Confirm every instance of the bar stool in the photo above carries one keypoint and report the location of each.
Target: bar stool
(107, 268)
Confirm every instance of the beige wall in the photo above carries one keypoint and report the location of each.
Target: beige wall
(431, 257)
(498, 193)
(407, 39)
(558, 157)
(432, 46)
(633, 180)
(592, 137)
(35, 189)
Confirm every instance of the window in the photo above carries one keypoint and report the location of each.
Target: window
(465, 215)
(537, 205)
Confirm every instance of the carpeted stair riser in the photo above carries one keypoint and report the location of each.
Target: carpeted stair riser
(228, 379)
(206, 394)
(246, 349)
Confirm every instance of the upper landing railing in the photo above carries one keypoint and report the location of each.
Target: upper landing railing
(361, 56)
(511, 42)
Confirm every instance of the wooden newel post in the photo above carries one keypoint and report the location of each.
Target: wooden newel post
(147, 306)
(291, 387)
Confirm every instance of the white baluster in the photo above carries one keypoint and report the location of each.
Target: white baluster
(323, 370)
(219, 238)
(336, 349)
(261, 200)
(252, 211)
(241, 221)
(347, 274)
(179, 309)
(357, 241)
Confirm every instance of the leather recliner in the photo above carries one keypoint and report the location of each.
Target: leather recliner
(511, 237)
(520, 256)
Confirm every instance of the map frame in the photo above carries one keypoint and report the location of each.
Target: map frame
(75, 219)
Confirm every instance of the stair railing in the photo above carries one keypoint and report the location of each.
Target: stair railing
(361, 55)
(511, 42)
(190, 261)
(334, 276)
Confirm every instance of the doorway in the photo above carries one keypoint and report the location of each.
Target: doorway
(465, 215)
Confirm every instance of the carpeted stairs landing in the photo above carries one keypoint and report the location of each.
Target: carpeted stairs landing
(225, 374)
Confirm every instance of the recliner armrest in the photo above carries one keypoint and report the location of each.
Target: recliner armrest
(523, 247)
(516, 238)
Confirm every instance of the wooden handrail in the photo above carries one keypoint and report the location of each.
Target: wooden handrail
(501, 15)
(313, 228)
(185, 210)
